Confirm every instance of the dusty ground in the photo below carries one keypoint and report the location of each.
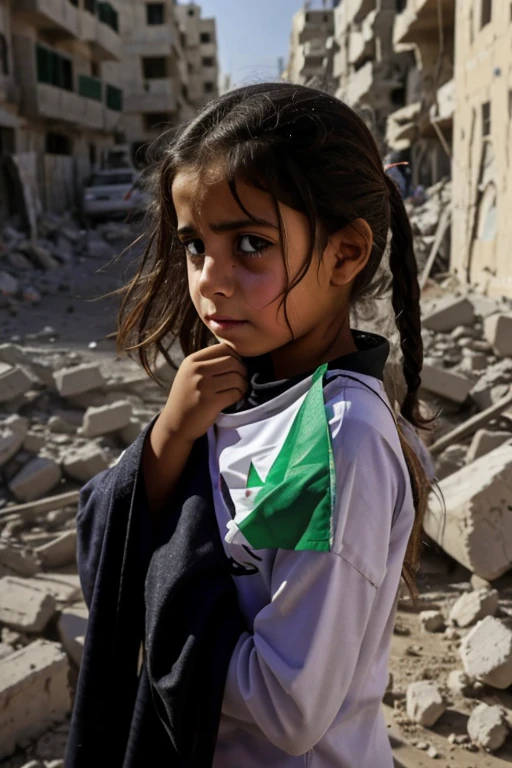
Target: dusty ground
(79, 320)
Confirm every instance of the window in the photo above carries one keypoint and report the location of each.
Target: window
(486, 119)
(108, 15)
(154, 13)
(93, 155)
(307, 16)
(486, 13)
(90, 87)
(400, 5)
(95, 69)
(4, 55)
(326, 18)
(184, 91)
(114, 98)
(74, 2)
(58, 144)
(208, 61)
(190, 68)
(90, 5)
(53, 68)
(191, 12)
(209, 87)
(154, 67)
(157, 121)
(205, 37)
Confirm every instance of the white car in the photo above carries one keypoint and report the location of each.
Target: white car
(113, 193)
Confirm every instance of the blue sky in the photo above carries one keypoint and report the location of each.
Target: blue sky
(252, 35)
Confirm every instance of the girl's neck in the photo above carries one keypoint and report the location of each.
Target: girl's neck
(306, 354)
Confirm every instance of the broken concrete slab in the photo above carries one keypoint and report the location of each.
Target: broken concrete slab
(34, 692)
(107, 418)
(13, 431)
(425, 703)
(444, 383)
(498, 332)
(25, 607)
(475, 527)
(72, 627)
(14, 381)
(33, 509)
(36, 479)
(63, 587)
(59, 552)
(473, 606)
(61, 427)
(85, 462)
(487, 727)
(446, 314)
(78, 379)
(486, 653)
(18, 559)
(485, 441)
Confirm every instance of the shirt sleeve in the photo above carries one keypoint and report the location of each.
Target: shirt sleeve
(288, 679)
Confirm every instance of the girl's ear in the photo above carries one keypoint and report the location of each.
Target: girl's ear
(348, 251)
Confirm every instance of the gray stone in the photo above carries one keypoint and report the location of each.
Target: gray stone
(473, 606)
(498, 332)
(77, 380)
(487, 727)
(9, 286)
(85, 462)
(448, 314)
(18, 559)
(24, 607)
(59, 426)
(425, 703)
(72, 627)
(475, 527)
(107, 418)
(59, 552)
(460, 684)
(431, 621)
(34, 693)
(485, 441)
(444, 383)
(36, 479)
(12, 435)
(14, 381)
(486, 653)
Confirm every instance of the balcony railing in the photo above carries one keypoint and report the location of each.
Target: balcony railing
(90, 87)
(58, 18)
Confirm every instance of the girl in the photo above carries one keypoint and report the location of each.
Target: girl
(253, 538)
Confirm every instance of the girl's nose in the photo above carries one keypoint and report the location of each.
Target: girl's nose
(216, 277)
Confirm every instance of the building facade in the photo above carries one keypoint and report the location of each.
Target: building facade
(69, 108)
(199, 40)
(310, 58)
(482, 146)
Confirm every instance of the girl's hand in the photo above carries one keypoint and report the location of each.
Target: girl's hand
(206, 383)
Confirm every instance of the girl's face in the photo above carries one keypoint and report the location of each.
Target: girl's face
(237, 273)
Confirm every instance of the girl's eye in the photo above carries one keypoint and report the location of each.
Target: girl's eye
(252, 245)
(195, 247)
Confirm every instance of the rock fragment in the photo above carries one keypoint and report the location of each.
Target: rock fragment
(85, 462)
(72, 627)
(13, 431)
(448, 314)
(486, 653)
(107, 418)
(445, 383)
(23, 607)
(431, 621)
(34, 692)
(459, 683)
(59, 552)
(498, 332)
(77, 380)
(14, 381)
(473, 606)
(485, 441)
(425, 703)
(487, 727)
(36, 479)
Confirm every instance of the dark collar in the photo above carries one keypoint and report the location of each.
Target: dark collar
(370, 359)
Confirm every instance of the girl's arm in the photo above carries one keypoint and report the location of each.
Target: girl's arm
(288, 679)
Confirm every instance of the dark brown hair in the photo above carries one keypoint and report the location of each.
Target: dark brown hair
(315, 154)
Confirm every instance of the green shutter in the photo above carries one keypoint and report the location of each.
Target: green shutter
(114, 98)
(90, 87)
(108, 15)
(53, 69)
(43, 64)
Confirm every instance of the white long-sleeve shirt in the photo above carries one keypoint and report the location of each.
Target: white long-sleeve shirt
(306, 681)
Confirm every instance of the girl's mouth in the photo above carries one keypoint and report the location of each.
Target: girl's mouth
(223, 323)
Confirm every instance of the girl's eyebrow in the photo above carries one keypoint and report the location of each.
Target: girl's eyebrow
(228, 226)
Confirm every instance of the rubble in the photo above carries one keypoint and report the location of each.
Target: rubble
(486, 653)
(459, 683)
(485, 441)
(452, 386)
(475, 527)
(498, 332)
(107, 418)
(24, 607)
(487, 727)
(431, 621)
(72, 627)
(448, 314)
(77, 380)
(14, 381)
(425, 703)
(34, 692)
(85, 462)
(473, 606)
(38, 477)
(60, 551)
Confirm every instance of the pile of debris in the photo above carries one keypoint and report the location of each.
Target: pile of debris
(66, 419)
(30, 269)
(430, 216)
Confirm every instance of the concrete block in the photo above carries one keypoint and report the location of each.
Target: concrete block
(473, 606)
(449, 313)
(72, 627)
(130, 433)
(498, 332)
(424, 703)
(77, 380)
(431, 621)
(460, 684)
(486, 653)
(85, 462)
(9, 286)
(485, 441)
(36, 479)
(33, 442)
(14, 381)
(34, 693)
(59, 552)
(476, 527)
(61, 427)
(12, 435)
(487, 727)
(18, 559)
(107, 418)
(24, 607)
(63, 587)
(445, 383)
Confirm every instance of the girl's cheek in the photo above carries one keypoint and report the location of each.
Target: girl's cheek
(260, 289)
